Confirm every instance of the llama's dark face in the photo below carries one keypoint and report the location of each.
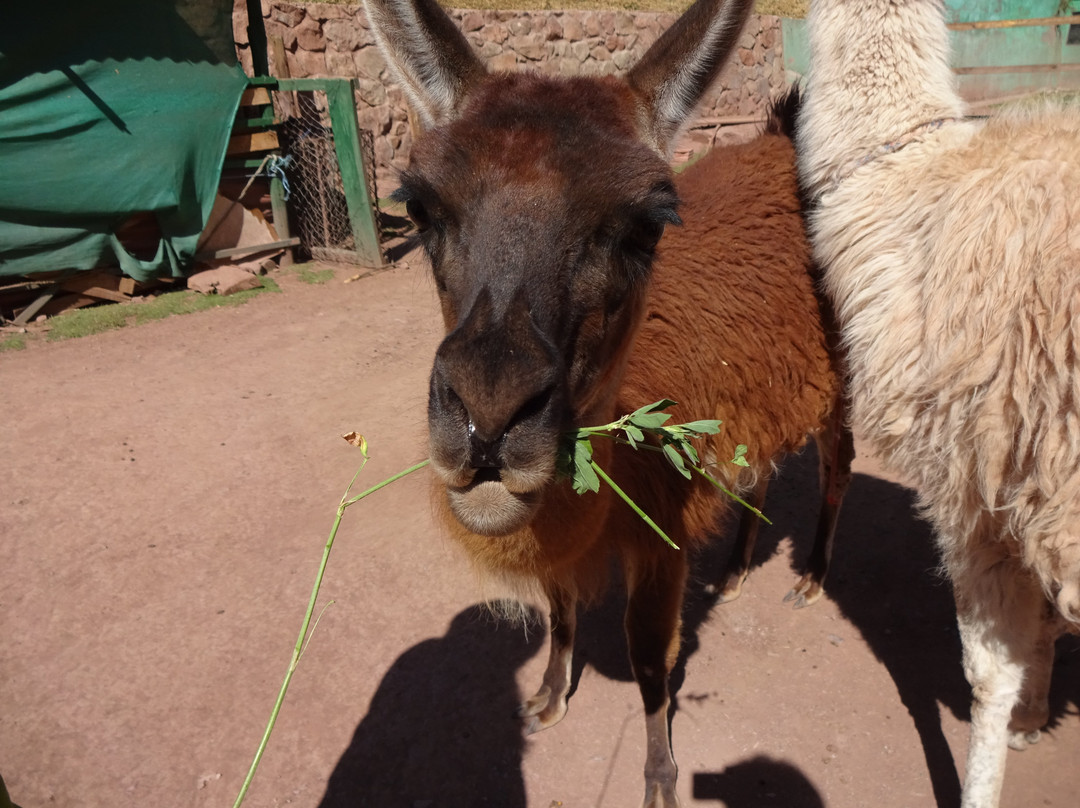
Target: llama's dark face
(540, 210)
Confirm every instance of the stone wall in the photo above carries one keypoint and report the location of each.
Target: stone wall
(322, 39)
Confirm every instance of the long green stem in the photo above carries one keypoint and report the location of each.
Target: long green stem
(731, 493)
(300, 644)
(626, 498)
(387, 482)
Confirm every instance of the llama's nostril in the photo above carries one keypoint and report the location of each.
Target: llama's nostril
(484, 454)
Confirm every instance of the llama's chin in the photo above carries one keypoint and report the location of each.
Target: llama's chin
(491, 509)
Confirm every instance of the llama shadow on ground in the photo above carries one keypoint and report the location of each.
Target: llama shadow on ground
(755, 782)
(440, 729)
(884, 578)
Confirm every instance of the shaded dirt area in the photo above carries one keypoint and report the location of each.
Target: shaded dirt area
(165, 494)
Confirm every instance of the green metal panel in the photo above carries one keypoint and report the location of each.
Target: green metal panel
(796, 47)
(993, 63)
(342, 104)
(980, 55)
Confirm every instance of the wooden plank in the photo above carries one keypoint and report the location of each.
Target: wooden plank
(997, 69)
(254, 248)
(31, 311)
(87, 280)
(104, 293)
(58, 305)
(98, 285)
(279, 65)
(255, 96)
(984, 25)
(252, 142)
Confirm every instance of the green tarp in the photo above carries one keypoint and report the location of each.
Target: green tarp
(109, 108)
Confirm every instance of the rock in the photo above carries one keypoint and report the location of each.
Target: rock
(287, 14)
(572, 28)
(623, 59)
(472, 21)
(307, 63)
(328, 11)
(309, 35)
(223, 281)
(369, 62)
(372, 92)
(344, 35)
(505, 61)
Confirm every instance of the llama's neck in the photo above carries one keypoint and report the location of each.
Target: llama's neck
(879, 70)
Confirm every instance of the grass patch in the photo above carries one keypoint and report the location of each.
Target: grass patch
(13, 343)
(84, 322)
(308, 274)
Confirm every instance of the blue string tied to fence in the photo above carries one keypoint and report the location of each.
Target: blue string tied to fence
(276, 168)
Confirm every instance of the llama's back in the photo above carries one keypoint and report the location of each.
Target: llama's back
(734, 330)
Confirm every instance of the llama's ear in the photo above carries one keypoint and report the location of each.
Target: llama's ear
(427, 53)
(675, 72)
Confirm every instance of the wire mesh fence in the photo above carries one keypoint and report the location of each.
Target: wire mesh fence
(318, 211)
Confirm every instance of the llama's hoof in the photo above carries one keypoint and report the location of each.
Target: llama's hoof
(805, 593)
(1022, 740)
(730, 589)
(542, 711)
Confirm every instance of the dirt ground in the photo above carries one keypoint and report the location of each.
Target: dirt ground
(165, 494)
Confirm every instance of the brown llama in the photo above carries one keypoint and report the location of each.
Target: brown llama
(541, 203)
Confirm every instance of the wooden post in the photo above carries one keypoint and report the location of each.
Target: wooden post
(256, 32)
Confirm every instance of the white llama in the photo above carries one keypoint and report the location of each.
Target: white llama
(951, 250)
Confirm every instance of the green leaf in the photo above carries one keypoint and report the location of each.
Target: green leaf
(690, 452)
(585, 478)
(634, 435)
(710, 427)
(740, 456)
(650, 420)
(656, 406)
(676, 460)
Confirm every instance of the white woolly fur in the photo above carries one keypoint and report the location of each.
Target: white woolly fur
(954, 265)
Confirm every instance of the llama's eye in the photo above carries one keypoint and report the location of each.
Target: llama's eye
(419, 214)
(644, 235)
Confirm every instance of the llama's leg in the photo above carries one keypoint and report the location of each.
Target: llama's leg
(653, 622)
(1000, 612)
(548, 706)
(1032, 711)
(836, 450)
(738, 563)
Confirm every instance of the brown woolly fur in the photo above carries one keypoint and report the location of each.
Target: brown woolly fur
(951, 250)
(541, 203)
(755, 311)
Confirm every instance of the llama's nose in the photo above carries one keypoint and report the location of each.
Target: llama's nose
(484, 454)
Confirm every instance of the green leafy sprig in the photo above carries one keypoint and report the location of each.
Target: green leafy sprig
(673, 440)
